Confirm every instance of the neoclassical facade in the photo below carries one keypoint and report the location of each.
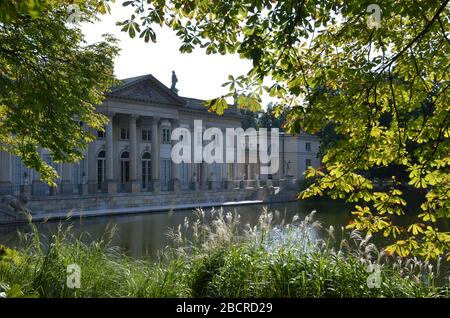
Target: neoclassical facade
(133, 154)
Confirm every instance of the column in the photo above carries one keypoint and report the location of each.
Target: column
(156, 155)
(228, 177)
(38, 187)
(174, 184)
(195, 178)
(91, 186)
(135, 182)
(194, 166)
(109, 145)
(5, 173)
(204, 175)
(236, 166)
(253, 175)
(242, 181)
(66, 179)
(257, 175)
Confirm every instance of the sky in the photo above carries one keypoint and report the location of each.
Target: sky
(199, 75)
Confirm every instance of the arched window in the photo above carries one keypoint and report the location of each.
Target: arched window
(124, 167)
(146, 169)
(101, 169)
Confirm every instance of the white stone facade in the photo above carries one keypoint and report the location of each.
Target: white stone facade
(134, 152)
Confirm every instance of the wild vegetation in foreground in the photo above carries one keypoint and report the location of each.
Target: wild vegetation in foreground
(224, 259)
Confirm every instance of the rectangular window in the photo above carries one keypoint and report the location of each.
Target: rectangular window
(101, 167)
(308, 146)
(101, 134)
(165, 166)
(308, 163)
(146, 135)
(124, 133)
(165, 135)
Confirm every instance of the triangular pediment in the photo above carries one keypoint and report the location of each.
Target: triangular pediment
(146, 89)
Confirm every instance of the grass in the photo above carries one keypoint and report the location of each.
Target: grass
(224, 259)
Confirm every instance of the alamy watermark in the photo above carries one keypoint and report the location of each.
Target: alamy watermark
(374, 18)
(374, 279)
(73, 279)
(74, 13)
(212, 146)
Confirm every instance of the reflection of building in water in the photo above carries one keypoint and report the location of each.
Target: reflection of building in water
(136, 243)
(134, 152)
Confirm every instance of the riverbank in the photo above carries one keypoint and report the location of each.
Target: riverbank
(78, 214)
(62, 207)
(224, 259)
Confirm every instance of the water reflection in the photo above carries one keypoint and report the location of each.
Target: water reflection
(144, 234)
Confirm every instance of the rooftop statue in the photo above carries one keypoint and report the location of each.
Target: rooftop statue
(174, 81)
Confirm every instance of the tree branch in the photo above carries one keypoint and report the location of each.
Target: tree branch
(419, 36)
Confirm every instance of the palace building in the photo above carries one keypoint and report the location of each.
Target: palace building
(133, 154)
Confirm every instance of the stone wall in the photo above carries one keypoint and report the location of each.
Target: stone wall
(42, 207)
(133, 200)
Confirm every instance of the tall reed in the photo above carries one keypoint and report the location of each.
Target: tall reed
(222, 258)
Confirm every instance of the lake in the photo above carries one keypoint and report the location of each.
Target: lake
(144, 234)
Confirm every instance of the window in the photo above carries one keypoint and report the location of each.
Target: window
(21, 174)
(146, 134)
(308, 146)
(165, 135)
(101, 169)
(101, 134)
(124, 133)
(165, 165)
(308, 163)
(78, 171)
(185, 173)
(146, 170)
(125, 167)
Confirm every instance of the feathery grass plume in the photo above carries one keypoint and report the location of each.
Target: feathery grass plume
(216, 255)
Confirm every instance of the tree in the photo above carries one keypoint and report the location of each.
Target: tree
(13, 10)
(264, 118)
(50, 82)
(271, 119)
(250, 119)
(334, 62)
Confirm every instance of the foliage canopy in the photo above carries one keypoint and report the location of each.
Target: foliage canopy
(50, 82)
(384, 89)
